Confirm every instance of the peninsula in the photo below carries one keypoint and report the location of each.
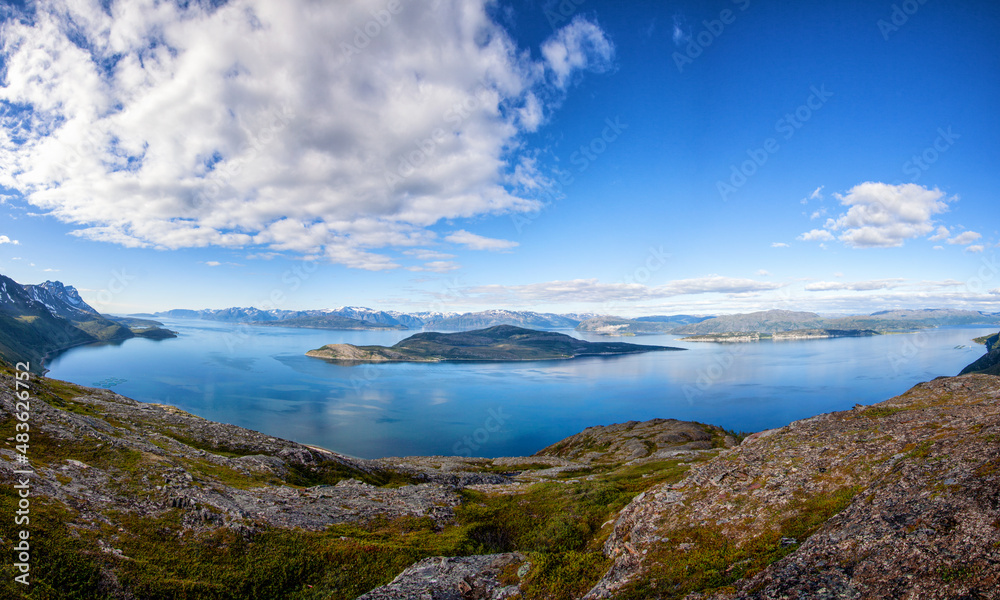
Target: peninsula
(500, 343)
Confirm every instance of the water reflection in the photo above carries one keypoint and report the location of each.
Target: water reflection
(266, 383)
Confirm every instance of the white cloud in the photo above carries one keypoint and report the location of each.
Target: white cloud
(965, 238)
(881, 215)
(435, 266)
(50, 270)
(592, 290)
(938, 248)
(838, 274)
(941, 233)
(763, 272)
(713, 284)
(816, 193)
(995, 292)
(779, 245)
(976, 249)
(6, 240)
(818, 213)
(581, 45)
(213, 263)
(478, 242)
(680, 34)
(816, 235)
(277, 126)
(857, 286)
(424, 254)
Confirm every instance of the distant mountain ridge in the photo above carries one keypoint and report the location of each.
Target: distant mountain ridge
(354, 317)
(763, 322)
(775, 321)
(37, 320)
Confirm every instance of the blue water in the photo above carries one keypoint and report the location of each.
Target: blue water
(259, 378)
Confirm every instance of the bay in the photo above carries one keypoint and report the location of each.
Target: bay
(259, 378)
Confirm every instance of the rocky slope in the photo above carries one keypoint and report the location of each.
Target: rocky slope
(990, 362)
(896, 500)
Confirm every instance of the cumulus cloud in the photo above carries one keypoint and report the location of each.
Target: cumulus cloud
(298, 126)
(581, 45)
(779, 245)
(882, 215)
(856, 286)
(816, 235)
(478, 242)
(976, 249)
(6, 240)
(965, 238)
(941, 234)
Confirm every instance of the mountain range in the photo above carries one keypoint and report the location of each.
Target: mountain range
(354, 317)
(763, 322)
(38, 320)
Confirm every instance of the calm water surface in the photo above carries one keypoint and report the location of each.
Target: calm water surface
(259, 378)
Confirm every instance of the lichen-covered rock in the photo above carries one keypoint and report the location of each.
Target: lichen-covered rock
(913, 486)
(452, 578)
(635, 441)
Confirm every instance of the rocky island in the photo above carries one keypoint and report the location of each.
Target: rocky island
(500, 343)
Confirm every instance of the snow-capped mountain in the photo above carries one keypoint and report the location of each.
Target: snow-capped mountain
(61, 300)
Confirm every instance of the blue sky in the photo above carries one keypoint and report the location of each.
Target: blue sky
(621, 158)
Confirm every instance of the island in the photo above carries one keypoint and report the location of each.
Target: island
(778, 336)
(499, 343)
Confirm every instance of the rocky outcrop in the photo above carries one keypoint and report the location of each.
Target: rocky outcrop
(625, 443)
(896, 500)
(452, 578)
(990, 362)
